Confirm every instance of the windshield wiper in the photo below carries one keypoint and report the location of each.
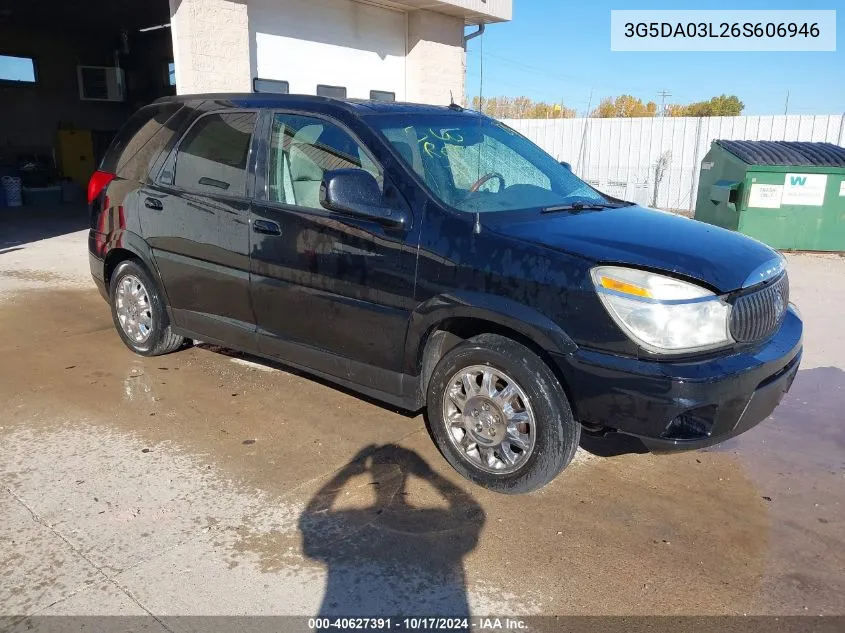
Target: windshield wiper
(579, 206)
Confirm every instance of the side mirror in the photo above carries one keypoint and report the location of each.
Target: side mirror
(565, 164)
(356, 192)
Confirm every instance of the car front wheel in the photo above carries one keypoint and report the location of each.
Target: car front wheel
(499, 415)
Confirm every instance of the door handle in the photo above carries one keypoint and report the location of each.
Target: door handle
(266, 227)
(154, 204)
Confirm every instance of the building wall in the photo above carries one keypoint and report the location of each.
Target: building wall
(436, 62)
(221, 45)
(358, 46)
(211, 45)
(473, 11)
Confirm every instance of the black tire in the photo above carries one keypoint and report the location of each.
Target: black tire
(161, 339)
(556, 432)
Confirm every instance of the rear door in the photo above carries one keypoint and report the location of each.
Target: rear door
(195, 217)
(331, 291)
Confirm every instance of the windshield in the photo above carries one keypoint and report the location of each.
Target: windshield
(478, 164)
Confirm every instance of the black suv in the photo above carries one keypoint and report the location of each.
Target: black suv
(431, 257)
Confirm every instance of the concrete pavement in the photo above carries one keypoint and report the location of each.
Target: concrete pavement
(207, 483)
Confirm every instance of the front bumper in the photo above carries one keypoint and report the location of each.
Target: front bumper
(689, 404)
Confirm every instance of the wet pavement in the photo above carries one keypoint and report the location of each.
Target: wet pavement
(204, 482)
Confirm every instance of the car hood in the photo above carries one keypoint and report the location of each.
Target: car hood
(644, 238)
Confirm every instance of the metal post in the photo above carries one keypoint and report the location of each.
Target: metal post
(695, 166)
(842, 131)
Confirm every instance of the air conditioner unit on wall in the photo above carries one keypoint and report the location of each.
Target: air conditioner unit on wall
(101, 83)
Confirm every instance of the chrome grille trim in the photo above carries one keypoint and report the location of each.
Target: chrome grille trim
(758, 314)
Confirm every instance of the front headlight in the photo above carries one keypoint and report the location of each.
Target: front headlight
(660, 313)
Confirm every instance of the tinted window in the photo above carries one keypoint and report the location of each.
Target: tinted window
(302, 150)
(141, 139)
(213, 155)
(336, 92)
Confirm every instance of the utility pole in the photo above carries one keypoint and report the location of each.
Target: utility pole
(663, 94)
(584, 132)
(786, 105)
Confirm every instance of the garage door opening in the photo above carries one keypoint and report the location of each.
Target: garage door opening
(71, 72)
(353, 49)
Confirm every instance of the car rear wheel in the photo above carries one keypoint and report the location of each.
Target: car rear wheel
(139, 312)
(499, 415)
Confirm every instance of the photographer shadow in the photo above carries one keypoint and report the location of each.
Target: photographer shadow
(391, 557)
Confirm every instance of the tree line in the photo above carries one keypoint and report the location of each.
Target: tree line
(521, 108)
(623, 106)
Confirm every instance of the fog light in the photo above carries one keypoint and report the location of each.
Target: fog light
(695, 424)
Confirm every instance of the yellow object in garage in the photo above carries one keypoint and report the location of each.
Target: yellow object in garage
(76, 155)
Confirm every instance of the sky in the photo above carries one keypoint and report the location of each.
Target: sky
(16, 68)
(559, 50)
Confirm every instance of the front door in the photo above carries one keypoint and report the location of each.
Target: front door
(196, 219)
(331, 291)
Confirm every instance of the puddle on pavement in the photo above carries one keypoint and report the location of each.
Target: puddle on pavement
(796, 459)
(684, 533)
(42, 276)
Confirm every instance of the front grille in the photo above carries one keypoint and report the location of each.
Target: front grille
(759, 314)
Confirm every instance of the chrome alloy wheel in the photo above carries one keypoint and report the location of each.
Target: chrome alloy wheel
(132, 304)
(489, 419)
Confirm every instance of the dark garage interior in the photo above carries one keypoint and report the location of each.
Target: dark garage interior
(71, 72)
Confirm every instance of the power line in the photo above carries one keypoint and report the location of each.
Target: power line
(555, 96)
(565, 78)
(579, 80)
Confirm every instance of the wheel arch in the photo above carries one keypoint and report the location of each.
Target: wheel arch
(446, 321)
(130, 246)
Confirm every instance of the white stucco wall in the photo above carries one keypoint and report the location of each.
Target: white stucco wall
(210, 45)
(473, 11)
(220, 45)
(358, 46)
(436, 62)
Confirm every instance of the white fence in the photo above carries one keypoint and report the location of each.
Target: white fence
(620, 156)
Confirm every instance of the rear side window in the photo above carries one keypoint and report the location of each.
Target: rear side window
(142, 138)
(213, 155)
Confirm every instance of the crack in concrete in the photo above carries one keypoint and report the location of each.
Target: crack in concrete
(35, 517)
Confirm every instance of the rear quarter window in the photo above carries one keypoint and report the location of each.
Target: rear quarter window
(142, 139)
(212, 157)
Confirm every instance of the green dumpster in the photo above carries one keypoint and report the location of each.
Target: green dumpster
(790, 195)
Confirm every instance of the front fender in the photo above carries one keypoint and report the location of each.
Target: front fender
(498, 310)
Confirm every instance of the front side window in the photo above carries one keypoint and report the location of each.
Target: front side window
(302, 150)
(213, 155)
(477, 164)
